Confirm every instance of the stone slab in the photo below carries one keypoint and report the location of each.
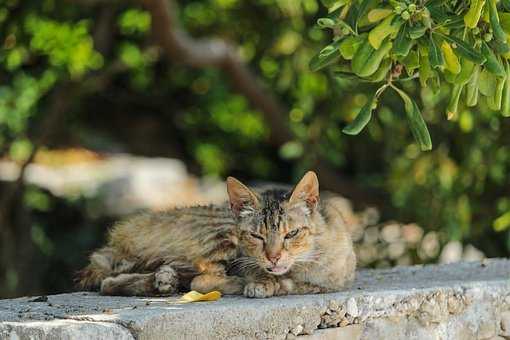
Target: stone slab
(456, 301)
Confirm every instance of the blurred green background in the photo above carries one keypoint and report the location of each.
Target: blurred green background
(89, 74)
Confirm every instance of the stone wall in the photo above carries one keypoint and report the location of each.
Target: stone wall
(455, 301)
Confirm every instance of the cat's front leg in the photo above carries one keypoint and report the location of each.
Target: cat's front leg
(213, 277)
(267, 286)
(290, 286)
(261, 288)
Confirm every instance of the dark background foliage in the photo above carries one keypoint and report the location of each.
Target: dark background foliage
(87, 73)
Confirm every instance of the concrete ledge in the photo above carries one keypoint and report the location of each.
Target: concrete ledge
(456, 301)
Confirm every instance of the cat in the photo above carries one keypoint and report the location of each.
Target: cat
(275, 242)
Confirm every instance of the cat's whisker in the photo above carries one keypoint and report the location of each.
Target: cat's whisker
(245, 264)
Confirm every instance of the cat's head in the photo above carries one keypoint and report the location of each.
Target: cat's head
(276, 227)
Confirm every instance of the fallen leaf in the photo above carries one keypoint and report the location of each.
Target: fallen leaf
(195, 296)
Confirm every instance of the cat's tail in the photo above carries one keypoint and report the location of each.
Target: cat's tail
(99, 268)
(354, 222)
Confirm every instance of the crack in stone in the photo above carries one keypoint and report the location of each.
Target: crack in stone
(124, 324)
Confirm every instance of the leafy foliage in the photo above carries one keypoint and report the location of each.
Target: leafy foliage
(435, 41)
(458, 190)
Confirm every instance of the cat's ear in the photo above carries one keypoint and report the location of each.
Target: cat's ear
(242, 199)
(306, 191)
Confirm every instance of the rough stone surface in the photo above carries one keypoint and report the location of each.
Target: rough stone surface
(505, 323)
(454, 301)
(352, 332)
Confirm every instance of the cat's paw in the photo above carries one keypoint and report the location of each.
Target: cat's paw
(261, 289)
(166, 280)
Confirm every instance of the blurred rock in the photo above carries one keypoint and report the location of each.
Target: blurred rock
(472, 254)
(371, 235)
(452, 252)
(123, 183)
(396, 250)
(430, 246)
(391, 232)
(412, 233)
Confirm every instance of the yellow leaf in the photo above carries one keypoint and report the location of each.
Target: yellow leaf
(377, 35)
(378, 14)
(502, 222)
(195, 296)
(452, 62)
(473, 15)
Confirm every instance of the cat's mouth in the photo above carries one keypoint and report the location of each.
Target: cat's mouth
(278, 270)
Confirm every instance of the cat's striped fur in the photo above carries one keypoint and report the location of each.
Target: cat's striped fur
(261, 244)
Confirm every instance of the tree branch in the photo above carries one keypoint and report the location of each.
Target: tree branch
(180, 47)
(61, 99)
(59, 104)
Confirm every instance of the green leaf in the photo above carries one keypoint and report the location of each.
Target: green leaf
(472, 87)
(452, 63)
(327, 56)
(367, 60)
(352, 15)
(403, 43)
(344, 25)
(349, 46)
(499, 47)
(436, 57)
(499, 34)
(487, 84)
(437, 12)
(453, 104)
(381, 72)
(362, 119)
(387, 27)
(496, 100)
(502, 222)
(464, 49)
(378, 14)
(505, 106)
(492, 64)
(506, 5)
(334, 4)
(361, 11)
(504, 21)
(454, 23)
(345, 76)
(411, 62)
(475, 12)
(426, 71)
(326, 23)
(416, 122)
(417, 32)
(467, 70)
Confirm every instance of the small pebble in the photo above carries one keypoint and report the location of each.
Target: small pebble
(42, 298)
(352, 307)
(297, 330)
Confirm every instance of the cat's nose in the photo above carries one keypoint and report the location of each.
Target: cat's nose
(273, 258)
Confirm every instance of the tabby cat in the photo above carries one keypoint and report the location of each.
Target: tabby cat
(275, 242)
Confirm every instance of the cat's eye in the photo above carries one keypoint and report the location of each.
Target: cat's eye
(257, 236)
(292, 233)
